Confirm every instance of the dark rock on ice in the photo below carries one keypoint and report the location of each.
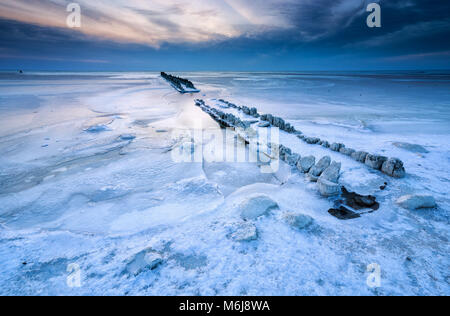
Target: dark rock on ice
(343, 213)
(358, 201)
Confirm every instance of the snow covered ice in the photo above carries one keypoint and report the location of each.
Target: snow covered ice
(87, 178)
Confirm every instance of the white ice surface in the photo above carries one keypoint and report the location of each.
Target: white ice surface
(73, 195)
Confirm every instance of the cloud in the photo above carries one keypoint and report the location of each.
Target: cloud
(154, 22)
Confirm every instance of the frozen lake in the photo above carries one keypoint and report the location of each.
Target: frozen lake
(87, 179)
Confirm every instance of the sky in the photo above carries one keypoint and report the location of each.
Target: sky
(224, 35)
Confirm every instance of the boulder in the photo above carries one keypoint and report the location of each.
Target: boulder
(336, 146)
(359, 156)
(325, 144)
(393, 167)
(312, 140)
(298, 221)
(145, 260)
(347, 151)
(375, 161)
(318, 168)
(343, 213)
(328, 188)
(305, 163)
(245, 231)
(332, 172)
(256, 205)
(358, 201)
(416, 201)
(293, 159)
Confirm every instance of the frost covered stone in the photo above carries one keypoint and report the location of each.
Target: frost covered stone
(416, 201)
(360, 156)
(293, 159)
(306, 163)
(328, 188)
(256, 205)
(245, 231)
(264, 124)
(332, 172)
(394, 168)
(336, 146)
(312, 140)
(144, 260)
(375, 161)
(317, 169)
(347, 151)
(299, 221)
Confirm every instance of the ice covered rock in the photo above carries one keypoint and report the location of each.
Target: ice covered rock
(336, 146)
(332, 172)
(312, 140)
(256, 205)
(299, 221)
(97, 129)
(394, 168)
(264, 124)
(347, 151)
(145, 260)
(324, 143)
(127, 137)
(416, 201)
(318, 168)
(305, 163)
(293, 159)
(328, 188)
(245, 231)
(375, 161)
(359, 156)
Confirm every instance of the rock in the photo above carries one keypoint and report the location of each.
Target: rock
(375, 161)
(306, 163)
(411, 147)
(127, 137)
(328, 188)
(97, 129)
(318, 168)
(332, 172)
(359, 156)
(325, 144)
(256, 205)
(336, 146)
(264, 124)
(245, 231)
(393, 167)
(358, 201)
(312, 140)
(293, 159)
(144, 260)
(347, 151)
(416, 201)
(299, 221)
(343, 213)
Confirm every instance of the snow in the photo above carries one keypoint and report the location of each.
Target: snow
(105, 190)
